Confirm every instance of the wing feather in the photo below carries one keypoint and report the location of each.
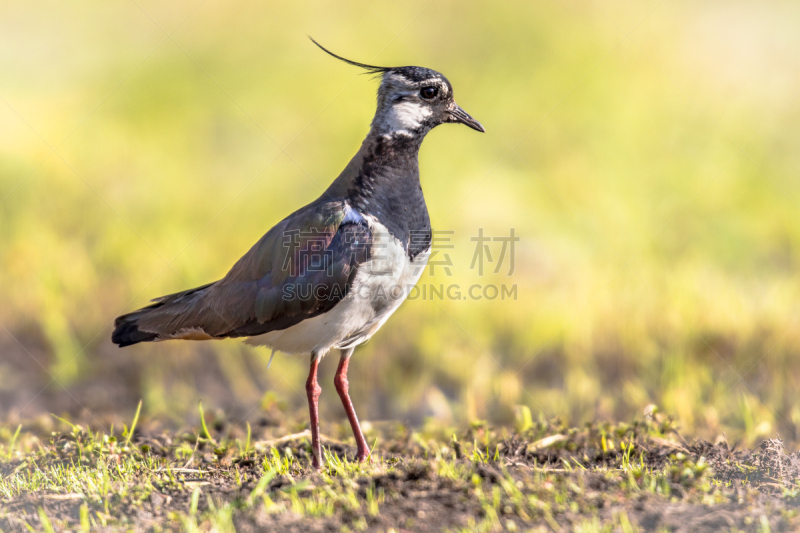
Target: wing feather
(299, 269)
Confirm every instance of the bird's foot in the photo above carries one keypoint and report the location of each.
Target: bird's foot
(363, 455)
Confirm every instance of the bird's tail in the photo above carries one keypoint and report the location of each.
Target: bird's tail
(127, 327)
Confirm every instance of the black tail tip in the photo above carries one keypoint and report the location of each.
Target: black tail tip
(127, 333)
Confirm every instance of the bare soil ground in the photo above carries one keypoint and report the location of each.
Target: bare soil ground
(544, 477)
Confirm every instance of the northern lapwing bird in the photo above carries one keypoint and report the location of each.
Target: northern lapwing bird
(331, 273)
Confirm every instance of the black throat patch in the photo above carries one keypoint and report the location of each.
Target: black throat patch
(388, 188)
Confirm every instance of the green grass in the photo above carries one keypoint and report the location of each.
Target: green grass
(652, 184)
(596, 478)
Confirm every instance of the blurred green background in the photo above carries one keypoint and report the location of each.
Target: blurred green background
(646, 154)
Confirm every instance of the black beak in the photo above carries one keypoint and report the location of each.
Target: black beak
(459, 115)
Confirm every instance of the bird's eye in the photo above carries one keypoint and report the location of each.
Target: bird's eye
(429, 92)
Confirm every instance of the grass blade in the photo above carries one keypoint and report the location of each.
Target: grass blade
(261, 486)
(203, 422)
(133, 424)
(46, 524)
(16, 434)
(195, 501)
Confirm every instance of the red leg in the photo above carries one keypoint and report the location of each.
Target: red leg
(313, 391)
(343, 387)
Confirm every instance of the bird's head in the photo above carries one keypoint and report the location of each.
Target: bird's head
(413, 100)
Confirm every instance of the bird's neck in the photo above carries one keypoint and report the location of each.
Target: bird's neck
(385, 166)
(382, 180)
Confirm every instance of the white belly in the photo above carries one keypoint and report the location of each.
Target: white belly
(380, 286)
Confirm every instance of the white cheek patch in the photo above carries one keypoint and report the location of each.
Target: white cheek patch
(407, 116)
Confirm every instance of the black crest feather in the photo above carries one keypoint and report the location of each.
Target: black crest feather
(372, 69)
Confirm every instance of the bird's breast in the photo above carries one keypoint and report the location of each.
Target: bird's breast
(386, 279)
(378, 288)
(382, 283)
